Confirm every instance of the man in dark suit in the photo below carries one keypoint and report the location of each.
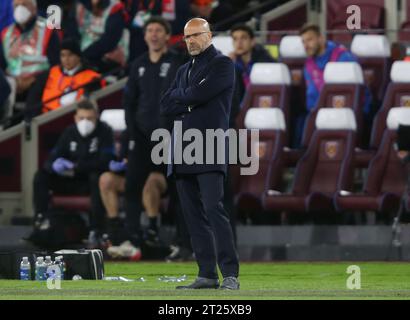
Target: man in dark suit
(200, 98)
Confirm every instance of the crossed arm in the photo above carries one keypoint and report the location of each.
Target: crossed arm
(221, 76)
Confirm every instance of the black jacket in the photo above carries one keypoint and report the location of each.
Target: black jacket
(146, 84)
(209, 91)
(90, 154)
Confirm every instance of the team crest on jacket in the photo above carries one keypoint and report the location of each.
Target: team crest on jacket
(164, 69)
(141, 71)
(73, 146)
(331, 149)
(93, 145)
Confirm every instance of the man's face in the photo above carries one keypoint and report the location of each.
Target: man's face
(156, 37)
(69, 60)
(197, 39)
(312, 43)
(28, 4)
(82, 114)
(242, 42)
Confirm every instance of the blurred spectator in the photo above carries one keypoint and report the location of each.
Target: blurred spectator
(319, 52)
(28, 47)
(4, 93)
(100, 25)
(70, 77)
(139, 11)
(246, 53)
(83, 152)
(211, 10)
(6, 13)
(151, 74)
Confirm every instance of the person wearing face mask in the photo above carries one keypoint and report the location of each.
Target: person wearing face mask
(27, 47)
(83, 151)
(71, 77)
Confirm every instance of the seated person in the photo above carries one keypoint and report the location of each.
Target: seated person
(4, 93)
(112, 184)
(320, 52)
(71, 77)
(83, 151)
(246, 53)
(100, 27)
(27, 47)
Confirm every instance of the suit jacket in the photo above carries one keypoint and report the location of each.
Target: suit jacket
(201, 102)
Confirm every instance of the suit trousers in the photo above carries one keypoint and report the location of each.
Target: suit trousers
(208, 223)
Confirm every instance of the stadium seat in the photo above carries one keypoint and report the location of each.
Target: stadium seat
(372, 17)
(386, 177)
(223, 44)
(269, 150)
(397, 95)
(324, 169)
(269, 88)
(344, 88)
(293, 54)
(373, 52)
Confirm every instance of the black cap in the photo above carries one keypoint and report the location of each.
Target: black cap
(71, 45)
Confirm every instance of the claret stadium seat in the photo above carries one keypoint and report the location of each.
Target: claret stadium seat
(269, 88)
(344, 88)
(397, 95)
(386, 177)
(324, 169)
(293, 54)
(269, 152)
(374, 52)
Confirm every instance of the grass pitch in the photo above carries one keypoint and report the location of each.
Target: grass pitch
(260, 281)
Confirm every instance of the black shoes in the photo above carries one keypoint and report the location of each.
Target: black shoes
(179, 254)
(230, 283)
(202, 283)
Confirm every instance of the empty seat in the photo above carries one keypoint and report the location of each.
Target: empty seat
(373, 52)
(269, 151)
(223, 44)
(344, 88)
(322, 171)
(397, 95)
(372, 17)
(386, 177)
(293, 54)
(269, 88)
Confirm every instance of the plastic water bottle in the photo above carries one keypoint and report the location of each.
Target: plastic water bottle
(25, 269)
(41, 269)
(48, 262)
(60, 263)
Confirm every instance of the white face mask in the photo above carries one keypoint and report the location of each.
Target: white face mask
(22, 14)
(85, 127)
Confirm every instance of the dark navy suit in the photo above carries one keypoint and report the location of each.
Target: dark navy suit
(200, 98)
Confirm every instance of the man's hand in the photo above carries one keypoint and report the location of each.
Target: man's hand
(402, 154)
(23, 83)
(61, 166)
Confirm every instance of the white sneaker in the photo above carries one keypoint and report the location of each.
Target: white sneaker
(125, 250)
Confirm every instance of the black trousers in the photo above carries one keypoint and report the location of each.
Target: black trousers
(208, 224)
(45, 182)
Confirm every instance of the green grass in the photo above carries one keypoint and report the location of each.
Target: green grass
(259, 281)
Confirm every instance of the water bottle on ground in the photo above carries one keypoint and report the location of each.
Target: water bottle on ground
(25, 269)
(60, 263)
(41, 269)
(48, 262)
